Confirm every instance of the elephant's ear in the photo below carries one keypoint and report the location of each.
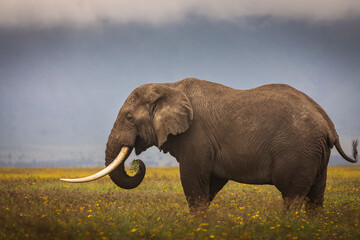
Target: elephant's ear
(171, 111)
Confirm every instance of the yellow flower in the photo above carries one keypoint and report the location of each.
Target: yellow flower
(133, 230)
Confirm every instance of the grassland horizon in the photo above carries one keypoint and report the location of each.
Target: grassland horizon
(36, 205)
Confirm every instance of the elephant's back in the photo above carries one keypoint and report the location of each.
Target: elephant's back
(298, 109)
(266, 107)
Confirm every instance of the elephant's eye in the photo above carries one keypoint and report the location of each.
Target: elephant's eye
(130, 117)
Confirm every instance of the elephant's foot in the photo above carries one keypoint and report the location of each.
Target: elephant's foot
(198, 205)
(198, 208)
(294, 203)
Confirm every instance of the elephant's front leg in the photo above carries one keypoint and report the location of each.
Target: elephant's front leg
(196, 184)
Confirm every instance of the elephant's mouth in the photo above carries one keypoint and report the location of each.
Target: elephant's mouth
(121, 157)
(141, 145)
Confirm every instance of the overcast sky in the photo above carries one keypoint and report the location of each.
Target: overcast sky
(66, 66)
(82, 13)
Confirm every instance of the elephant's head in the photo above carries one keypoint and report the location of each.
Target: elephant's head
(148, 116)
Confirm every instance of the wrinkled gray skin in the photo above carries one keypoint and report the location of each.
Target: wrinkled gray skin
(273, 134)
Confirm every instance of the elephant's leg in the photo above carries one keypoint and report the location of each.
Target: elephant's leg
(294, 181)
(315, 198)
(216, 184)
(294, 190)
(294, 198)
(196, 185)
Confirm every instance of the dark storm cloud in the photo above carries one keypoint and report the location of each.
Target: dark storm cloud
(79, 13)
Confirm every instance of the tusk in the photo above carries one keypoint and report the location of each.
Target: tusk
(117, 161)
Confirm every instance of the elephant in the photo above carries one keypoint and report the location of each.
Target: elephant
(272, 134)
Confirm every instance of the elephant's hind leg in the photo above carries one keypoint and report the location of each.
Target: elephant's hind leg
(295, 199)
(315, 197)
(294, 187)
(296, 170)
(294, 182)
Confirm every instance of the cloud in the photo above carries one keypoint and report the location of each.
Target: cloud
(80, 13)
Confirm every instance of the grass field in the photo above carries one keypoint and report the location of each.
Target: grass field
(34, 204)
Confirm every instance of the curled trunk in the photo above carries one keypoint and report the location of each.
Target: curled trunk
(119, 176)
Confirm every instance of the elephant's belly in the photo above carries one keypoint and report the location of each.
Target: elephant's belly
(249, 172)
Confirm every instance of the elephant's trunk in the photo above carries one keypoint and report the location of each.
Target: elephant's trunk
(118, 149)
(121, 178)
(115, 168)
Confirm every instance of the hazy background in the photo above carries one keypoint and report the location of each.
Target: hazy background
(67, 66)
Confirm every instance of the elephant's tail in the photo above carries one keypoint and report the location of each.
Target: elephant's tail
(355, 152)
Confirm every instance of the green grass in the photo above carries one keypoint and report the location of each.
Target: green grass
(34, 204)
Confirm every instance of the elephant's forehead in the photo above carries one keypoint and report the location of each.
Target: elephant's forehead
(145, 89)
(137, 95)
(131, 101)
(142, 93)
